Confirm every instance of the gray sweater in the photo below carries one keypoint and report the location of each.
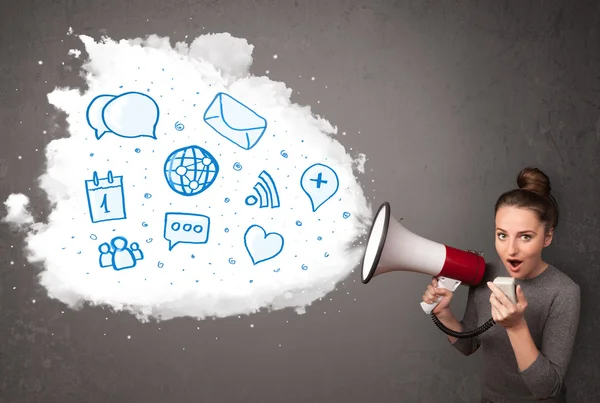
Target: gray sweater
(552, 316)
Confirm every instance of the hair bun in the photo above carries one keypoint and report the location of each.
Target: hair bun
(534, 180)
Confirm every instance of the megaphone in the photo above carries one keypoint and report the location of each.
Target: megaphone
(391, 247)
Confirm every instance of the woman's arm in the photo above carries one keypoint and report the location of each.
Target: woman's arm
(523, 345)
(469, 322)
(447, 318)
(543, 371)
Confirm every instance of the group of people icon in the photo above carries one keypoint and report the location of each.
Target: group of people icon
(118, 255)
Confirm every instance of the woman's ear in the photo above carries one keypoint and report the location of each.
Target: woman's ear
(548, 237)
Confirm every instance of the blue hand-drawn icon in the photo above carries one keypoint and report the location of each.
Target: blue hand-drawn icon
(105, 197)
(235, 121)
(94, 114)
(266, 191)
(179, 126)
(260, 245)
(186, 228)
(190, 170)
(130, 115)
(119, 255)
(320, 183)
(137, 252)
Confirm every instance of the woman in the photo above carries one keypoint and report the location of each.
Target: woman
(527, 352)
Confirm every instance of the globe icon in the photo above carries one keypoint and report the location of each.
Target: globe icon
(190, 170)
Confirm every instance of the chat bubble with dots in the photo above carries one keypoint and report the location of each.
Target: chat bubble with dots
(186, 228)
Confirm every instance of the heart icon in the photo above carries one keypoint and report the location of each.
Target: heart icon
(260, 245)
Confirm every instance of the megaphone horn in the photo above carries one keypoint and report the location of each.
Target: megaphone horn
(391, 247)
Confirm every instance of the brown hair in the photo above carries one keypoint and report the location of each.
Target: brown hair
(533, 194)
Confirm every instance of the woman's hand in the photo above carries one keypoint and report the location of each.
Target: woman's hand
(504, 311)
(432, 293)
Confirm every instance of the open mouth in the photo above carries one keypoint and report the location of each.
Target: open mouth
(514, 263)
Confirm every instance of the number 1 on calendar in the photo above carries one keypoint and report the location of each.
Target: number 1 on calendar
(104, 204)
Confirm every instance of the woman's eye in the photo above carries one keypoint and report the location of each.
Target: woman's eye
(501, 236)
(526, 237)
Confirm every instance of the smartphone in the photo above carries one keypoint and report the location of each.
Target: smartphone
(508, 287)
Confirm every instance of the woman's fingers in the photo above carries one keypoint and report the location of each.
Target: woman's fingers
(429, 297)
(497, 306)
(495, 314)
(430, 300)
(442, 291)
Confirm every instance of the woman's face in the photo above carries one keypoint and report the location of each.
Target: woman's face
(520, 239)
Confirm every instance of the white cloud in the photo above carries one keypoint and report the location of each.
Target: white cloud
(196, 280)
(16, 207)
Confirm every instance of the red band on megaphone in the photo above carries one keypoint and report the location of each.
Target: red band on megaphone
(466, 267)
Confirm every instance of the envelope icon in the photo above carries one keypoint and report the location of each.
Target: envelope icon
(235, 121)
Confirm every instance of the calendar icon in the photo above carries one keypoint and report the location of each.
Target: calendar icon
(105, 197)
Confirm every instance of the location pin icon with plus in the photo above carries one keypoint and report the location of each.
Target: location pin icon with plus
(320, 183)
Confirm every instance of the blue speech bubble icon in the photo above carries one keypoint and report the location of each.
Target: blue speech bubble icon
(186, 228)
(129, 115)
(320, 183)
(94, 114)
